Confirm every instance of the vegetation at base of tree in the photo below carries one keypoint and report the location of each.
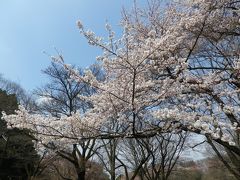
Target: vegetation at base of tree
(63, 169)
(206, 169)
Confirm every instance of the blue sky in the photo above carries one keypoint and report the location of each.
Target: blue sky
(29, 27)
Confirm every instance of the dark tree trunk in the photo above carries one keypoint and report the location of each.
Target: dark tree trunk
(81, 175)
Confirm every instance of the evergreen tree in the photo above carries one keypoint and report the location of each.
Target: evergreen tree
(17, 153)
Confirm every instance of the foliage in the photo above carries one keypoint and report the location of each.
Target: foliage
(17, 153)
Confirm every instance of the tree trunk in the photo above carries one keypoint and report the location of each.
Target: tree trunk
(81, 174)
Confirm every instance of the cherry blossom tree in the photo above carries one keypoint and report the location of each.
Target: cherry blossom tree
(180, 66)
(174, 69)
